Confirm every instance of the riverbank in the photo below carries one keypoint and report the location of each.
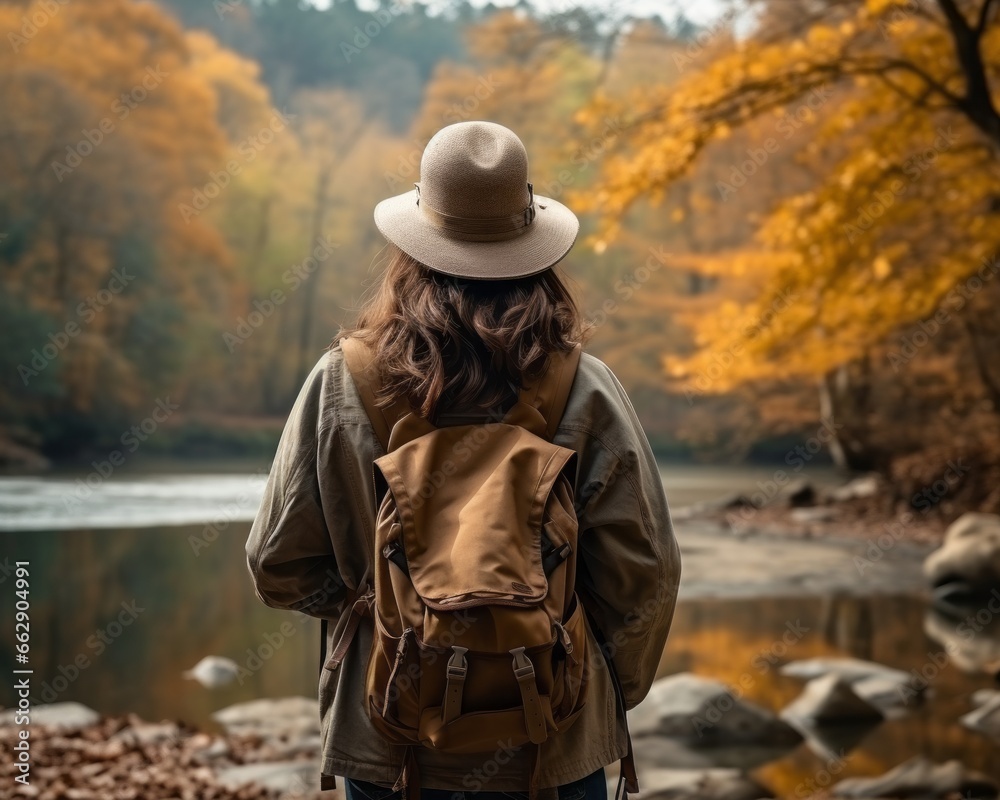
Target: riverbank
(78, 755)
(718, 562)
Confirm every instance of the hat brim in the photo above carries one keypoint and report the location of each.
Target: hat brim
(544, 243)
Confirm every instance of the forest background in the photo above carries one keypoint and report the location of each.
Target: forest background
(789, 213)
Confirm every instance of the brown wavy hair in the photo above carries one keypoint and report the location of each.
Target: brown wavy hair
(447, 342)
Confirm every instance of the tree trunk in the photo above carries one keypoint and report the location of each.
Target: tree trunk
(309, 293)
(982, 360)
(845, 406)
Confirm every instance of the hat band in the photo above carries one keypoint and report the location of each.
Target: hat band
(480, 229)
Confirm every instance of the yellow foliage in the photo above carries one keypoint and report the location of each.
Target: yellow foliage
(900, 209)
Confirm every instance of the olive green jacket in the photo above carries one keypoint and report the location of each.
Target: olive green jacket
(310, 546)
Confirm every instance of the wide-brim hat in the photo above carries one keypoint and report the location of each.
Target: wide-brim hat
(473, 213)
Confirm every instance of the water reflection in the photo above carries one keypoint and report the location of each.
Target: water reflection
(190, 605)
(744, 642)
(970, 637)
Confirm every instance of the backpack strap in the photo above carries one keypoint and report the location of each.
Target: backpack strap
(549, 394)
(363, 368)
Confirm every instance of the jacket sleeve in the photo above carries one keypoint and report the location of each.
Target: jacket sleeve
(631, 565)
(289, 551)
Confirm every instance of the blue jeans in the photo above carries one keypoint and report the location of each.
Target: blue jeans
(593, 787)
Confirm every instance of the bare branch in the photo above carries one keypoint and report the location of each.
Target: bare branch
(984, 13)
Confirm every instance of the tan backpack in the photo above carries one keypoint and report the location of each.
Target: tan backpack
(479, 635)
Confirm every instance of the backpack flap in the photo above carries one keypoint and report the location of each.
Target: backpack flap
(468, 536)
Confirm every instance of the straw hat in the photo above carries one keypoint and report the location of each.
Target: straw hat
(473, 213)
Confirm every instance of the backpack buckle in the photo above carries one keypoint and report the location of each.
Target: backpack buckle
(523, 668)
(451, 707)
(458, 667)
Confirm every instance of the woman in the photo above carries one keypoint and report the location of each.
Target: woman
(469, 310)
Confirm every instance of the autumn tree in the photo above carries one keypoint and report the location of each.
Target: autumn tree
(106, 127)
(899, 221)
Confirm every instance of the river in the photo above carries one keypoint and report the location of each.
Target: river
(135, 578)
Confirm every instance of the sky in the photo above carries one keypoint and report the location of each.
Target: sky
(703, 12)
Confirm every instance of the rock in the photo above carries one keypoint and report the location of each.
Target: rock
(291, 777)
(884, 687)
(795, 494)
(688, 784)
(865, 486)
(970, 555)
(704, 713)
(660, 752)
(919, 778)
(851, 670)
(214, 749)
(213, 672)
(983, 696)
(985, 718)
(146, 733)
(833, 742)
(889, 694)
(813, 514)
(296, 717)
(971, 654)
(67, 717)
(830, 700)
(954, 599)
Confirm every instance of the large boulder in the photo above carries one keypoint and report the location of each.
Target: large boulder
(969, 556)
(830, 700)
(920, 779)
(886, 688)
(705, 713)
